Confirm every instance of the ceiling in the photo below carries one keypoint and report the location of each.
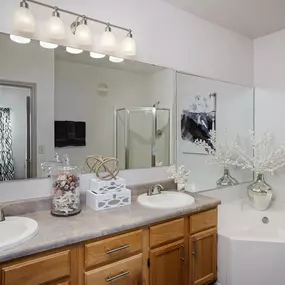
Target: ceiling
(251, 18)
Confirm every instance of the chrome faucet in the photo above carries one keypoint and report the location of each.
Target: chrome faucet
(2, 215)
(155, 190)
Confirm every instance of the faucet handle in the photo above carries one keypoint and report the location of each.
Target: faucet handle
(155, 189)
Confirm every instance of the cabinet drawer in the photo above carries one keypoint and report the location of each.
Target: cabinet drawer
(127, 271)
(203, 221)
(113, 249)
(166, 232)
(38, 270)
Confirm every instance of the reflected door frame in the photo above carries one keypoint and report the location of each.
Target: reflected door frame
(31, 158)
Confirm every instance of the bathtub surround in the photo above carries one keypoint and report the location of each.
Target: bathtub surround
(250, 251)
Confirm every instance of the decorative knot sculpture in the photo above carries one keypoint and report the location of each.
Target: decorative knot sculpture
(106, 168)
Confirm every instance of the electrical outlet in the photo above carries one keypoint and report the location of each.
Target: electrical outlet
(41, 149)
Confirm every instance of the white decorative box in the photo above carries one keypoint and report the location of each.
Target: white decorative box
(109, 200)
(104, 186)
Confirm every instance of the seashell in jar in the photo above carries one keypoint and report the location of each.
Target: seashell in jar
(62, 183)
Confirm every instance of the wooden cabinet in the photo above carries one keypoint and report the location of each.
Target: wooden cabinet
(182, 251)
(167, 264)
(38, 270)
(60, 283)
(203, 261)
(124, 272)
(112, 249)
(166, 232)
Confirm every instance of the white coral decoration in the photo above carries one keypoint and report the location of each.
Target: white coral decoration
(179, 174)
(264, 158)
(221, 154)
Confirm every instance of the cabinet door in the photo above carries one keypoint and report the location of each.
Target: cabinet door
(203, 263)
(167, 264)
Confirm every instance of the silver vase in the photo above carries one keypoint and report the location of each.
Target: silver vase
(260, 193)
(227, 179)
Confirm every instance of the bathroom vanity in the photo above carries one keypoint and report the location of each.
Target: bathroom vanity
(149, 247)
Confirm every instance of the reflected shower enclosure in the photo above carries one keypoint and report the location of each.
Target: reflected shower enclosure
(142, 137)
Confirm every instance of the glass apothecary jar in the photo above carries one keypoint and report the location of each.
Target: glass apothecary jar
(47, 166)
(65, 190)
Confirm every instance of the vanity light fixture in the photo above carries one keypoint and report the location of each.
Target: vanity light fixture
(55, 27)
(48, 45)
(73, 50)
(116, 59)
(108, 40)
(24, 24)
(97, 55)
(128, 45)
(19, 40)
(83, 34)
(25, 27)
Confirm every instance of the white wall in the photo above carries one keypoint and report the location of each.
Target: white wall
(32, 64)
(165, 36)
(15, 99)
(269, 69)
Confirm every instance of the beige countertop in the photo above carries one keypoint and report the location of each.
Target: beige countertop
(55, 232)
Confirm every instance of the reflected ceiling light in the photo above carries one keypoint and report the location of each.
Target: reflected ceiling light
(24, 23)
(74, 50)
(55, 27)
(108, 40)
(83, 34)
(19, 40)
(97, 55)
(128, 45)
(48, 45)
(116, 59)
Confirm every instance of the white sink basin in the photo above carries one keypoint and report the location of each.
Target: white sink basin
(166, 200)
(15, 230)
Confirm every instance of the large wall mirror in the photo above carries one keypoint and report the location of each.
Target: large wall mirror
(54, 103)
(206, 106)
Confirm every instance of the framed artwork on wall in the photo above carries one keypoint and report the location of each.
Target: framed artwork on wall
(197, 115)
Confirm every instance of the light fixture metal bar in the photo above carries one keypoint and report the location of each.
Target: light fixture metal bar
(78, 15)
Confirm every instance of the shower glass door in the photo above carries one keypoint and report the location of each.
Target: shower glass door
(142, 137)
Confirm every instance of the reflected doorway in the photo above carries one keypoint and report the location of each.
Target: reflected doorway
(17, 140)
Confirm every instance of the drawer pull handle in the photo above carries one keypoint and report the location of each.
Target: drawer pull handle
(194, 252)
(117, 249)
(111, 278)
(183, 258)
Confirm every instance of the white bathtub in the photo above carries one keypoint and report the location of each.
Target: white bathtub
(249, 251)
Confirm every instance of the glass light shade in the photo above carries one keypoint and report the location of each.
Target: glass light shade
(74, 50)
(116, 59)
(97, 55)
(55, 28)
(20, 40)
(48, 45)
(128, 46)
(24, 22)
(108, 41)
(83, 35)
